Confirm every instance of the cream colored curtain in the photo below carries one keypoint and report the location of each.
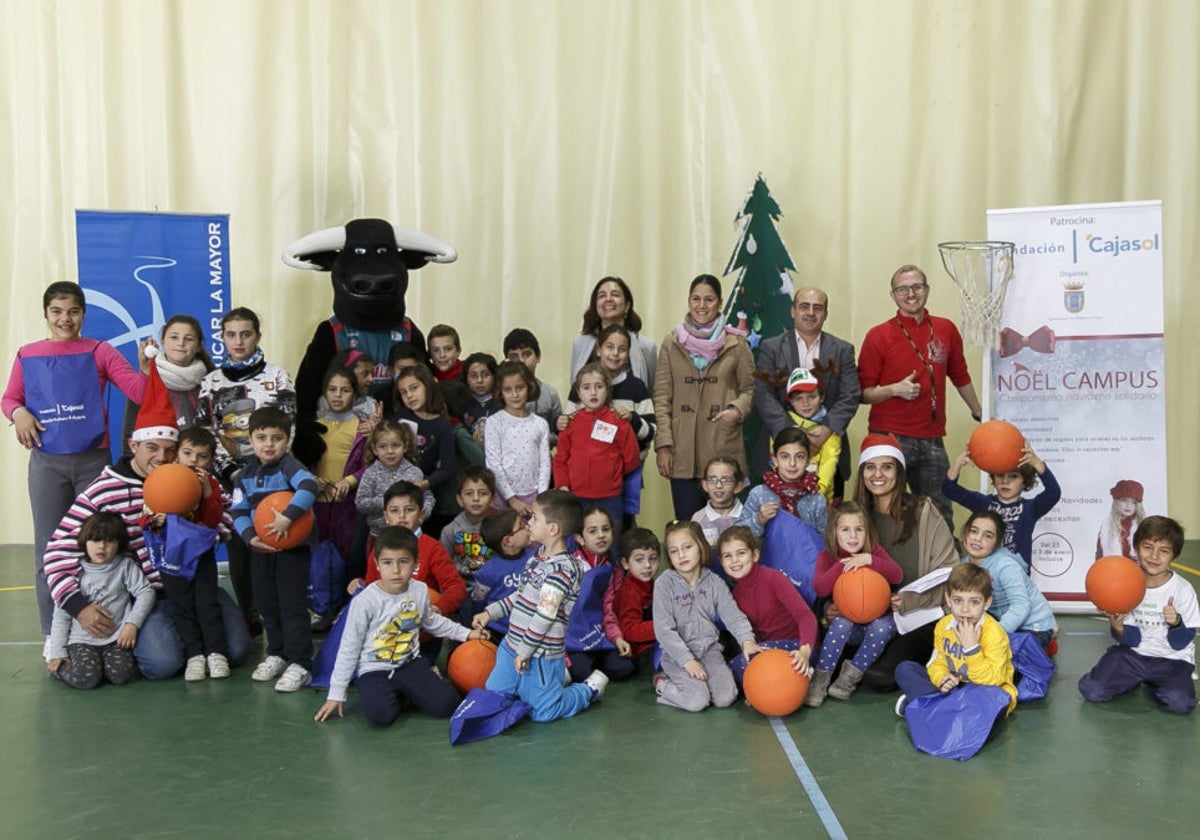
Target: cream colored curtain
(555, 142)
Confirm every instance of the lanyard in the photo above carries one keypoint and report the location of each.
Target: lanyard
(928, 363)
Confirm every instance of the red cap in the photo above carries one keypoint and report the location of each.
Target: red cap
(875, 445)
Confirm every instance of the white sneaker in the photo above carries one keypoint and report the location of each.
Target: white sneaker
(901, 702)
(293, 679)
(194, 672)
(269, 669)
(597, 681)
(218, 666)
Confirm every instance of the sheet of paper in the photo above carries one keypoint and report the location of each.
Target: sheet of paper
(934, 578)
(909, 621)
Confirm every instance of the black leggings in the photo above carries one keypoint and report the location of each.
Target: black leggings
(87, 665)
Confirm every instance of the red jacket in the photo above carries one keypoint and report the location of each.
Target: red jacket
(631, 604)
(593, 468)
(436, 570)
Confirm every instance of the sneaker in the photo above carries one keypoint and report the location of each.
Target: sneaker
(321, 623)
(194, 672)
(597, 681)
(218, 666)
(293, 679)
(269, 669)
(901, 702)
(660, 682)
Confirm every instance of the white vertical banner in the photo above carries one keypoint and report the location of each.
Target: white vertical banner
(1080, 372)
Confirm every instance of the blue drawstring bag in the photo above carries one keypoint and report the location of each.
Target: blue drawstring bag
(791, 546)
(178, 547)
(326, 578)
(956, 724)
(1033, 665)
(483, 714)
(631, 492)
(326, 658)
(585, 627)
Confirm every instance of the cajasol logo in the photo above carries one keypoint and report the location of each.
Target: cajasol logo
(1112, 246)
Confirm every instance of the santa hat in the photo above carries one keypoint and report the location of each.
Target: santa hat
(875, 445)
(802, 380)
(156, 420)
(1127, 489)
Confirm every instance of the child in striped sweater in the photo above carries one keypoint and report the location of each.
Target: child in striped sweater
(530, 661)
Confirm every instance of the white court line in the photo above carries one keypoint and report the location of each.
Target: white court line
(832, 827)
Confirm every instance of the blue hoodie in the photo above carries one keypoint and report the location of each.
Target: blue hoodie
(1016, 602)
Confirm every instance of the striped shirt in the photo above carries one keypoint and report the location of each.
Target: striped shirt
(552, 583)
(118, 489)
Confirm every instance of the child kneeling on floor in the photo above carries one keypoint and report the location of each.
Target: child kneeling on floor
(530, 661)
(1154, 641)
(382, 638)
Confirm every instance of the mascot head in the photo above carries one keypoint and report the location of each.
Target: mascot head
(368, 261)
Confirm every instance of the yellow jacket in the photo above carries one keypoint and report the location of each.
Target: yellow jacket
(990, 664)
(826, 459)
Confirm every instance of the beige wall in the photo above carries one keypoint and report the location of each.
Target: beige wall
(554, 142)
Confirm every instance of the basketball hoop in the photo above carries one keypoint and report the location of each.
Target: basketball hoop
(981, 270)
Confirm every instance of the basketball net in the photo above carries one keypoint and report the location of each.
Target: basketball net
(981, 270)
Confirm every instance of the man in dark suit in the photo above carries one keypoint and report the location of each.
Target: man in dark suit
(829, 357)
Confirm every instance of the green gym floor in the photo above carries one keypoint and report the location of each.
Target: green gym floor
(234, 758)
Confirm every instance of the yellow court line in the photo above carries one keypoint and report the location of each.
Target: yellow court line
(1189, 569)
(15, 588)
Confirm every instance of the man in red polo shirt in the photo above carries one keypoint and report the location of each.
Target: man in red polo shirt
(903, 368)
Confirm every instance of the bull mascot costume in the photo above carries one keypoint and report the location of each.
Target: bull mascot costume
(368, 261)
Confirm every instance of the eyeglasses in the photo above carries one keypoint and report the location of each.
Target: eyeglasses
(718, 480)
(914, 289)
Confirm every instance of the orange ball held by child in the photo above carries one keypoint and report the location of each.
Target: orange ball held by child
(862, 595)
(772, 685)
(471, 664)
(995, 446)
(264, 515)
(1115, 584)
(172, 488)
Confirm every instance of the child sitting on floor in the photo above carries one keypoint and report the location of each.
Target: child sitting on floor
(687, 598)
(633, 603)
(113, 580)
(506, 535)
(381, 640)
(969, 646)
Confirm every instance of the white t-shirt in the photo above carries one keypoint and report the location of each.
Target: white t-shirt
(1148, 616)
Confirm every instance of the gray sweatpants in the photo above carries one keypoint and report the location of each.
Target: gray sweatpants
(54, 482)
(683, 691)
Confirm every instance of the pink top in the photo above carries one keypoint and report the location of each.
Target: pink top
(110, 364)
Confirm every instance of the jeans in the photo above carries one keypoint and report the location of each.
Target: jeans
(159, 649)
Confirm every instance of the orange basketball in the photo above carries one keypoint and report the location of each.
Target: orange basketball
(172, 488)
(862, 595)
(471, 664)
(1115, 584)
(264, 515)
(995, 446)
(772, 685)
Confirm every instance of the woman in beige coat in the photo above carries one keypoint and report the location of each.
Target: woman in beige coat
(703, 390)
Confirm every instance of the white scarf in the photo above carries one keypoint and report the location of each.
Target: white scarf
(178, 378)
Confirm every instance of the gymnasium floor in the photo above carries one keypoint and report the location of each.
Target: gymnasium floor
(234, 758)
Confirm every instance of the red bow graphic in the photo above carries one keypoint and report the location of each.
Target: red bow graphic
(1040, 340)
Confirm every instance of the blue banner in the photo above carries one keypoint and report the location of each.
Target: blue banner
(139, 269)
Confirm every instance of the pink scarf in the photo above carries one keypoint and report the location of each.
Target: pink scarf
(703, 341)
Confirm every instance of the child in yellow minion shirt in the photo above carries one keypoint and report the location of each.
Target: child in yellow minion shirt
(969, 646)
(382, 641)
